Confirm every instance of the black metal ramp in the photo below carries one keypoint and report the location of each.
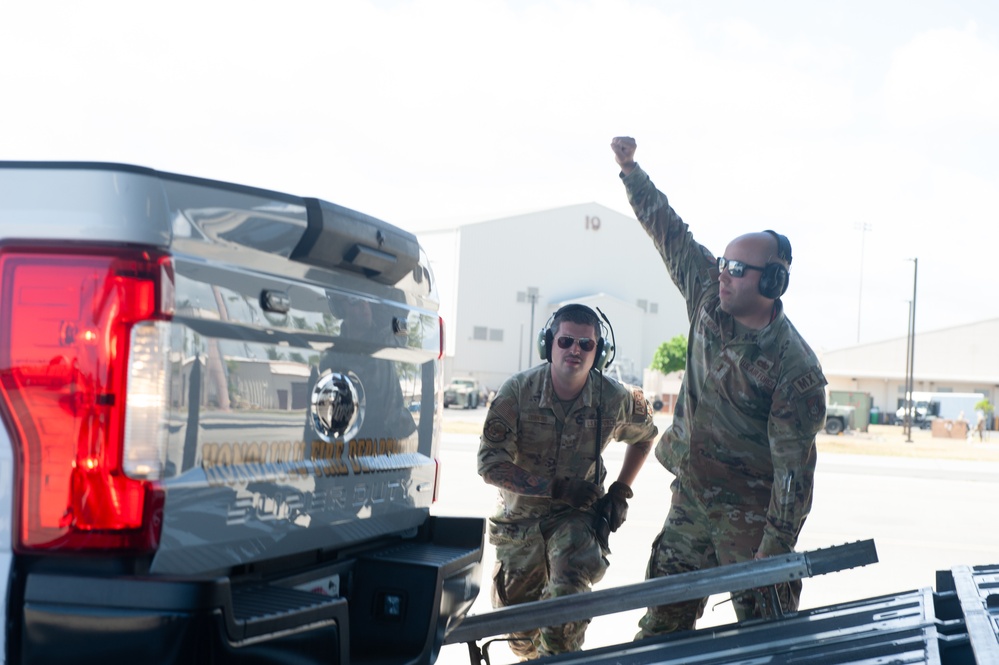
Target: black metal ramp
(664, 590)
(957, 624)
(898, 630)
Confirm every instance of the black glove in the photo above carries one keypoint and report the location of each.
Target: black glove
(577, 493)
(613, 507)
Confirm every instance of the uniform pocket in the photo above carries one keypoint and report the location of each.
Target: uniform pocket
(512, 533)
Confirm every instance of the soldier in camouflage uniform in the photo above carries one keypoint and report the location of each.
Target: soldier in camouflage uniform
(742, 443)
(540, 447)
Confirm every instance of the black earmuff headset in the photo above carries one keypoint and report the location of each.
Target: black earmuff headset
(773, 281)
(605, 350)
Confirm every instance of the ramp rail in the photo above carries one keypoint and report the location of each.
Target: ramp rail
(757, 574)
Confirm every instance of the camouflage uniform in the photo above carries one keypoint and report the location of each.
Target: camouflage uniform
(742, 442)
(545, 548)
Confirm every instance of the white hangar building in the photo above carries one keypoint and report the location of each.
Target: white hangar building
(509, 275)
(960, 359)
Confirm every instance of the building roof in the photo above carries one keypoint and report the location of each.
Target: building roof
(964, 353)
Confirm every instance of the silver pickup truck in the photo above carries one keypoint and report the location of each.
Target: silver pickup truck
(221, 410)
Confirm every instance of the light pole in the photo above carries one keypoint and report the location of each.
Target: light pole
(532, 296)
(912, 344)
(905, 392)
(864, 228)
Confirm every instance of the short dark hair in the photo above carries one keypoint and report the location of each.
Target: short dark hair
(580, 314)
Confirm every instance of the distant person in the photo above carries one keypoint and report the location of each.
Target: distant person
(742, 443)
(541, 446)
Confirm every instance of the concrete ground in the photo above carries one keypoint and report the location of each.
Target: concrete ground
(891, 441)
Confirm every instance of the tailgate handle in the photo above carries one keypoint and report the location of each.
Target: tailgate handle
(275, 301)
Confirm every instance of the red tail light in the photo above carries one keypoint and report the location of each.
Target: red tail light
(440, 353)
(65, 320)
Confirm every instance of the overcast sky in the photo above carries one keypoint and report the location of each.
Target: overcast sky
(817, 119)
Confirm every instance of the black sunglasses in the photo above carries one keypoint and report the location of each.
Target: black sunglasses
(585, 343)
(735, 268)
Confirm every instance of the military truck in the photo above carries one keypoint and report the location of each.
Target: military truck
(463, 392)
(218, 439)
(838, 418)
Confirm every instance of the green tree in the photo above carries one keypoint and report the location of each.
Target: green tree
(671, 355)
(985, 406)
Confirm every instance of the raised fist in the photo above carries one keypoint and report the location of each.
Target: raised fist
(624, 150)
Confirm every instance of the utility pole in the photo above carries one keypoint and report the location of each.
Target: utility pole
(912, 344)
(532, 296)
(907, 418)
(864, 228)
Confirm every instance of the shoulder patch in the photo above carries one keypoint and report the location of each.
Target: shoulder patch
(807, 382)
(641, 406)
(815, 407)
(496, 430)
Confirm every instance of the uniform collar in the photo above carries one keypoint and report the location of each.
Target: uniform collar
(762, 337)
(548, 390)
(768, 335)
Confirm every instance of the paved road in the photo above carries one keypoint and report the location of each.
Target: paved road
(924, 515)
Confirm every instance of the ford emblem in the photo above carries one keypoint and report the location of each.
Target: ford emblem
(334, 406)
